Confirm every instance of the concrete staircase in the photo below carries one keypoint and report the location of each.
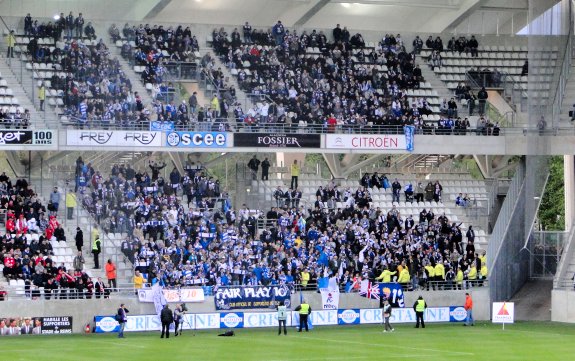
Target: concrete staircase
(23, 92)
(241, 96)
(137, 85)
(438, 85)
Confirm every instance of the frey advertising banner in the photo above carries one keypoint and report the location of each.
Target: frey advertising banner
(181, 295)
(372, 141)
(224, 320)
(27, 137)
(277, 140)
(13, 326)
(197, 139)
(113, 138)
(230, 298)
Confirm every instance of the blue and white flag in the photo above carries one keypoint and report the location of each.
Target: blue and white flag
(162, 126)
(409, 131)
(159, 299)
(393, 292)
(329, 293)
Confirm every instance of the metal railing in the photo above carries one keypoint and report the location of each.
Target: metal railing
(505, 120)
(561, 278)
(238, 127)
(130, 291)
(511, 90)
(498, 251)
(566, 62)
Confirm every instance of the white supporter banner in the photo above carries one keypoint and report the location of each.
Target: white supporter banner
(329, 299)
(366, 141)
(503, 312)
(182, 295)
(113, 138)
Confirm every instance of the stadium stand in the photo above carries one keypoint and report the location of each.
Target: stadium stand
(158, 55)
(178, 232)
(36, 261)
(83, 82)
(341, 86)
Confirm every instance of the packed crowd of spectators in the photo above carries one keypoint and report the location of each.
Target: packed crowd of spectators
(213, 244)
(26, 246)
(94, 90)
(158, 49)
(339, 78)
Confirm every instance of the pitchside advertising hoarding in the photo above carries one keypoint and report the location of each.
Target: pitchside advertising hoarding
(277, 140)
(197, 139)
(372, 141)
(113, 138)
(13, 326)
(503, 312)
(27, 137)
(202, 321)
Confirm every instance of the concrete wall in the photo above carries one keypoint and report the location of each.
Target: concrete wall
(83, 311)
(563, 305)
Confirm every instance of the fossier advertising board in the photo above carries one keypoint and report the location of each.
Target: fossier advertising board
(197, 139)
(277, 140)
(224, 320)
(113, 138)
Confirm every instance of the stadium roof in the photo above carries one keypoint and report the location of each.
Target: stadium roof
(427, 16)
(433, 16)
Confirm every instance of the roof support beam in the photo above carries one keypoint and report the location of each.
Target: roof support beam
(161, 5)
(311, 12)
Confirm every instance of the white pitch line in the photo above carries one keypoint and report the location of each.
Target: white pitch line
(118, 343)
(388, 345)
(323, 358)
(388, 356)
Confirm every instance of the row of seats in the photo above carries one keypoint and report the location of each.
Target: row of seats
(495, 65)
(7, 98)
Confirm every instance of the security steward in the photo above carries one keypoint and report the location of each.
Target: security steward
(304, 311)
(96, 249)
(167, 317)
(419, 307)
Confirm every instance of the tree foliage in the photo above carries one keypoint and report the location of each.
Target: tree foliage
(552, 209)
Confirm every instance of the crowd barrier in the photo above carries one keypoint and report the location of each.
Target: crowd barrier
(225, 320)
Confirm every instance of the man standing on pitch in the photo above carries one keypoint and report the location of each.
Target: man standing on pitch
(167, 317)
(304, 311)
(178, 319)
(469, 308)
(387, 315)
(122, 318)
(282, 318)
(419, 307)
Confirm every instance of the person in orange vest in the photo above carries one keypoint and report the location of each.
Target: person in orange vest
(111, 275)
(469, 308)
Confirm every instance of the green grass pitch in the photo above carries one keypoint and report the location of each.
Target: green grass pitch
(520, 341)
